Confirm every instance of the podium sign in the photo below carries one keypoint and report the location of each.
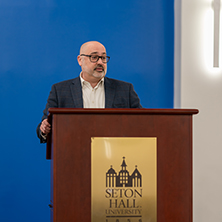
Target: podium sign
(123, 179)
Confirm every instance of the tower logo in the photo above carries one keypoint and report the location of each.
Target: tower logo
(123, 179)
(124, 193)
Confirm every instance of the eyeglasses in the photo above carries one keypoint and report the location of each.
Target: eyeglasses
(95, 58)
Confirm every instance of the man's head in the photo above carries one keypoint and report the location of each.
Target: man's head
(92, 70)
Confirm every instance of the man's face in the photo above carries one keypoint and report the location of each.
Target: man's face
(92, 71)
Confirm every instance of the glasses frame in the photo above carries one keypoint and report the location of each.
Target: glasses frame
(99, 57)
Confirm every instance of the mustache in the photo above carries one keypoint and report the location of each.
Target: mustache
(99, 66)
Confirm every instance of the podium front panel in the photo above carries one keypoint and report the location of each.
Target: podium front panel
(71, 159)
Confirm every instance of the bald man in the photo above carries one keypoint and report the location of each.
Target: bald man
(91, 89)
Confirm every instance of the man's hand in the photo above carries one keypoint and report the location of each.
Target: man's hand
(45, 127)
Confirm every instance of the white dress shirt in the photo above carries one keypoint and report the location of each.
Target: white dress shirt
(93, 97)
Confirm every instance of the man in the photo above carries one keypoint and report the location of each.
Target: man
(91, 89)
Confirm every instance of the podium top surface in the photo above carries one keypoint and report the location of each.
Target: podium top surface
(123, 111)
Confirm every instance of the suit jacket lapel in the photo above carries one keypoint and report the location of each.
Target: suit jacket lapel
(76, 91)
(109, 93)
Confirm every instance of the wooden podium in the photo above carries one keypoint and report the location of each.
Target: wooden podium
(69, 145)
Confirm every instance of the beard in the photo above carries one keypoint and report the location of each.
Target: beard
(99, 71)
(93, 73)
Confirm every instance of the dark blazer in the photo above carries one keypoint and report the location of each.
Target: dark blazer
(68, 94)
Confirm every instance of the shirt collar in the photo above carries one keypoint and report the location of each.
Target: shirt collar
(83, 81)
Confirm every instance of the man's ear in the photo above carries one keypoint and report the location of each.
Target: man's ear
(79, 60)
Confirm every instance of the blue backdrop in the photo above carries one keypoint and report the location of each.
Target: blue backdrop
(39, 43)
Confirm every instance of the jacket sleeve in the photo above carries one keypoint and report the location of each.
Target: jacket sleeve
(52, 102)
(134, 99)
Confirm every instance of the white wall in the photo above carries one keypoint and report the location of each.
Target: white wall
(199, 85)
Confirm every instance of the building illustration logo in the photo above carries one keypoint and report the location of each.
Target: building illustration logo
(123, 193)
(123, 178)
